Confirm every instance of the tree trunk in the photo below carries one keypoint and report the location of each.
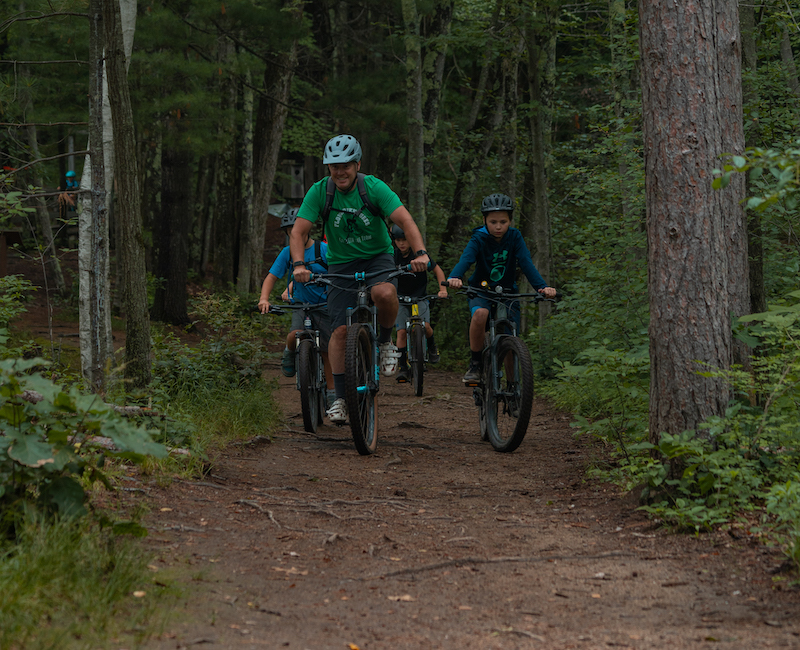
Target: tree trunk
(755, 247)
(95, 331)
(691, 96)
(541, 38)
(130, 240)
(787, 56)
(509, 68)
(172, 232)
(432, 75)
(416, 178)
(272, 110)
(247, 234)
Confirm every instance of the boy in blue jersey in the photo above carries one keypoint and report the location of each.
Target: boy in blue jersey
(496, 249)
(316, 260)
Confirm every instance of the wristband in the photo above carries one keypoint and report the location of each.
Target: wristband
(421, 252)
(298, 263)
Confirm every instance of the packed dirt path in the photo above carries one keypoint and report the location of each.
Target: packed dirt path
(437, 541)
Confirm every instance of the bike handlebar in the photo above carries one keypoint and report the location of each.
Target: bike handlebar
(359, 276)
(499, 294)
(413, 299)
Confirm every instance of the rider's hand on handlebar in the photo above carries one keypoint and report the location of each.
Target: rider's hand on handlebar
(263, 306)
(420, 263)
(548, 292)
(442, 292)
(301, 274)
(454, 282)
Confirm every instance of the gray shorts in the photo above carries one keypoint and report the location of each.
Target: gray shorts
(404, 313)
(343, 295)
(319, 321)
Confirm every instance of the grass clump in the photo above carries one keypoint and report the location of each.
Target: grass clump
(71, 583)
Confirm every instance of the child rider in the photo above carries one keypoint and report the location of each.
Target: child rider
(496, 249)
(414, 286)
(316, 260)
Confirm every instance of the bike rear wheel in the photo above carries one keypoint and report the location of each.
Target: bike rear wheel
(417, 363)
(307, 375)
(360, 385)
(509, 395)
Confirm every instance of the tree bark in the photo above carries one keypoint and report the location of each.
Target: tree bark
(171, 234)
(247, 234)
(691, 97)
(95, 318)
(755, 247)
(787, 56)
(271, 118)
(130, 240)
(416, 146)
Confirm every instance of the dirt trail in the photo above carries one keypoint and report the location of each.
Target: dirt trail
(437, 541)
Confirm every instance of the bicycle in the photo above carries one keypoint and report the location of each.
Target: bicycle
(504, 393)
(416, 341)
(362, 362)
(310, 380)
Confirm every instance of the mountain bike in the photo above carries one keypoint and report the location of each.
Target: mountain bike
(310, 367)
(416, 341)
(362, 360)
(504, 393)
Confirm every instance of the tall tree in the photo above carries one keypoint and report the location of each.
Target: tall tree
(416, 146)
(691, 96)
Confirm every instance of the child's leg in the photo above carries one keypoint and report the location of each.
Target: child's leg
(477, 329)
(291, 340)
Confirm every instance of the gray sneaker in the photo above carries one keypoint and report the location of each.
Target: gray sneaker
(390, 357)
(473, 375)
(337, 413)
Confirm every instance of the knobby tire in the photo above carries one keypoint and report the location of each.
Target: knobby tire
(359, 368)
(307, 374)
(510, 396)
(417, 365)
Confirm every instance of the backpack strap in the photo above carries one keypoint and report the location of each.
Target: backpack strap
(318, 259)
(330, 192)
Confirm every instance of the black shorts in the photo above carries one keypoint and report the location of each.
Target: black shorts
(344, 295)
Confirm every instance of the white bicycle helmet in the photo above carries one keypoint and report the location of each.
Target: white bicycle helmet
(341, 149)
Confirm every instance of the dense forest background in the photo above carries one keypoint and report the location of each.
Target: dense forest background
(231, 103)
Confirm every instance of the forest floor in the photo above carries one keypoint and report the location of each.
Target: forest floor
(437, 541)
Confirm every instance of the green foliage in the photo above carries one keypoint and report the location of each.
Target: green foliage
(13, 290)
(783, 504)
(46, 447)
(69, 584)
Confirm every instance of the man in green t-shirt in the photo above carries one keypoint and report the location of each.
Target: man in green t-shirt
(357, 241)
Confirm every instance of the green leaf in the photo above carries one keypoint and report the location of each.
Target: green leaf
(28, 450)
(129, 528)
(66, 496)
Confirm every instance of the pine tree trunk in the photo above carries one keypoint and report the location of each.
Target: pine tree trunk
(130, 240)
(416, 181)
(272, 110)
(247, 234)
(691, 97)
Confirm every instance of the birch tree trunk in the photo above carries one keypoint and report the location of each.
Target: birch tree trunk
(691, 95)
(130, 240)
(416, 145)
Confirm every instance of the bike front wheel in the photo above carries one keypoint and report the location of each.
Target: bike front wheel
(417, 362)
(509, 395)
(307, 381)
(360, 388)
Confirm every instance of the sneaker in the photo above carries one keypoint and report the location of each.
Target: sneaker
(473, 375)
(287, 363)
(389, 358)
(402, 376)
(433, 355)
(338, 412)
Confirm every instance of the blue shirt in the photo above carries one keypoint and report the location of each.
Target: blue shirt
(309, 292)
(496, 261)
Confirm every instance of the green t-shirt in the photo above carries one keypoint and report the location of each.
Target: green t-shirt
(352, 231)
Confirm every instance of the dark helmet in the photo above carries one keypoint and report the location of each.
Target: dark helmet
(289, 217)
(341, 149)
(397, 232)
(497, 202)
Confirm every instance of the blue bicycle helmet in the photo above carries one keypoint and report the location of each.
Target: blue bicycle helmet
(288, 219)
(341, 149)
(70, 174)
(497, 202)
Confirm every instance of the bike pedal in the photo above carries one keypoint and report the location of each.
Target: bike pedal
(472, 384)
